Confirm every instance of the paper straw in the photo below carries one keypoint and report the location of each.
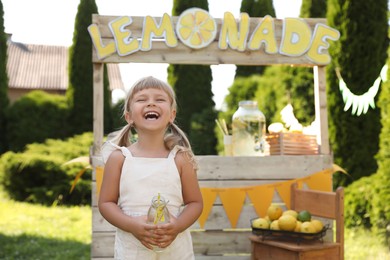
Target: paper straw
(225, 127)
(220, 127)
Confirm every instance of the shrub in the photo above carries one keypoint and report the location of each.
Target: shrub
(38, 175)
(36, 117)
(367, 203)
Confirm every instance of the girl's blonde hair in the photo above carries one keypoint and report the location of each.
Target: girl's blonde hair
(174, 135)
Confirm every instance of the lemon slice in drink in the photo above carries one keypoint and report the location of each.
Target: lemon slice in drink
(196, 28)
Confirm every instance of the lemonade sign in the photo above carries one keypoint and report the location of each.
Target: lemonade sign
(197, 29)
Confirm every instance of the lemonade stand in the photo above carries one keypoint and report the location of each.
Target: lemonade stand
(235, 189)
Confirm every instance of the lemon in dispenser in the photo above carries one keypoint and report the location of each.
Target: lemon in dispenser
(248, 124)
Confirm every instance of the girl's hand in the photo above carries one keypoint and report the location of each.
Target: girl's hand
(145, 233)
(167, 233)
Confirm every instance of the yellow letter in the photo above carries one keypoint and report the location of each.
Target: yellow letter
(319, 43)
(295, 38)
(264, 33)
(101, 50)
(230, 35)
(125, 45)
(165, 30)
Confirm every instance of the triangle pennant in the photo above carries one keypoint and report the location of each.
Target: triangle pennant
(284, 190)
(232, 201)
(99, 179)
(321, 181)
(209, 195)
(261, 197)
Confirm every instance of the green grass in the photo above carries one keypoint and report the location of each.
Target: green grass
(30, 231)
(38, 232)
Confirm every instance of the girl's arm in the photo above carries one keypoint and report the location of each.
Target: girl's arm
(108, 203)
(191, 192)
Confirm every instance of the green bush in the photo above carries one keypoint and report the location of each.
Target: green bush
(367, 203)
(38, 174)
(36, 117)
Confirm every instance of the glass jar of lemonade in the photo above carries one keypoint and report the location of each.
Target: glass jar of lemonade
(158, 213)
(248, 125)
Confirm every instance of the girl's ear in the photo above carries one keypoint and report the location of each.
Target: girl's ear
(128, 118)
(173, 116)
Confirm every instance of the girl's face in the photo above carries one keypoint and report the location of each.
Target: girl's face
(151, 109)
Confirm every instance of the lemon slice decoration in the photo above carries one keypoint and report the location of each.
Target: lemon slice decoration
(196, 28)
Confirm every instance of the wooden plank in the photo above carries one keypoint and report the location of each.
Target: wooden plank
(98, 106)
(321, 109)
(214, 243)
(212, 55)
(221, 242)
(256, 168)
(102, 244)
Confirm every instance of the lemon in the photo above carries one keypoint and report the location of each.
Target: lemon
(287, 222)
(275, 128)
(196, 28)
(308, 227)
(304, 216)
(274, 212)
(318, 225)
(298, 226)
(274, 225)
(291, 213)
(260, 223)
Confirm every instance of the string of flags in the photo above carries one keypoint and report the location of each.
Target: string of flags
(261, 195)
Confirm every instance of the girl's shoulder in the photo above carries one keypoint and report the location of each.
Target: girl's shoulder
(185, 158)
(109, 148)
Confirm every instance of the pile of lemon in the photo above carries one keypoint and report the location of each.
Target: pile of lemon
(289, 220)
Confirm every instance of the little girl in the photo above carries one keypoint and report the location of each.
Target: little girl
(160, 161)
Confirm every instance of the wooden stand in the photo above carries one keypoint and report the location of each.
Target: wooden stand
(217, 240)
(277, 250)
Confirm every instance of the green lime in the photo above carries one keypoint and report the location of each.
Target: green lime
(304, 216)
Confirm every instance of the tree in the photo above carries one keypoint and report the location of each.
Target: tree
(255, 8)
(359, 55)
(4, 101)
(80, 90)
(300, 87)
(192, 84)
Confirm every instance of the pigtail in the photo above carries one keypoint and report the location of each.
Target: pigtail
(176, 137)
(123, 138)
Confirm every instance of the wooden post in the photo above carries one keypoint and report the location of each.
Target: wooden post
(98, 106)
(321, 109)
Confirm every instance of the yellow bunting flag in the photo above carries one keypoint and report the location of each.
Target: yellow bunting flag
(284, 190)
(299, 184)
(261, 197)
(99, 178)
(232, 200)
(321, 181)
(209, 195)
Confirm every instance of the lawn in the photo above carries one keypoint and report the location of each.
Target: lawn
(37, 232)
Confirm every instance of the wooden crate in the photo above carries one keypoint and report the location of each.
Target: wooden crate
(291, 144)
